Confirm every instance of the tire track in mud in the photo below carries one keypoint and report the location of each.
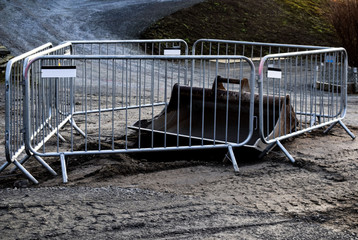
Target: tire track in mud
(113, 212)
(333, 161)
(316, 189)
(320, 187)
(270, 199)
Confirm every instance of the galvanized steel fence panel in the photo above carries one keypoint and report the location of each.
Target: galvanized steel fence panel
(111, 93)
(44, 125)
(301, 87)
(315, 83)
(16, 151)
(41, 123)
(95, 97)
(14, 141)
(253, 50)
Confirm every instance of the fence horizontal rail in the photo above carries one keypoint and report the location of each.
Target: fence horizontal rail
(130, 47)
(253, 50)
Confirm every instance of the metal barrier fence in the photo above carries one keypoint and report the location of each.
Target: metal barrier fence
(314, 84)
(253, 50)
(16, 151)
(14, 141)
(112, 97)
(95, 97)
(301, 87)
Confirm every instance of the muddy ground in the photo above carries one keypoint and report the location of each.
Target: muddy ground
(168, 196)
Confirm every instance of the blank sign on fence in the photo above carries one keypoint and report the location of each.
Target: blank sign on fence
(58, 71)
(274, 73)
(172, 52)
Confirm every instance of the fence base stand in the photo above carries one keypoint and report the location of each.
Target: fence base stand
(289, 156)
(75, 126)
(24, 171)
(283, 149)
(58, 134)
(343, 126)
(22, 161)
(40, 160)
(63, 167)
(19, 166)
(5, 165)
(43, 163)
(231, 157)
(267, 150)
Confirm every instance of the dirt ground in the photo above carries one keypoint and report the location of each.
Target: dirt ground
(156, 197)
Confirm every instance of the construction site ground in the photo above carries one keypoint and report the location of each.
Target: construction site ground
(191, 195)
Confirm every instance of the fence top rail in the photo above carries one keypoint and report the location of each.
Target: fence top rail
(43, 53)
(136, 41)
(144, 57)
(22, 57)
(53, 49)
(257, 44)
(38, 57)
(33, 51)
(126, 41)
(294, 54)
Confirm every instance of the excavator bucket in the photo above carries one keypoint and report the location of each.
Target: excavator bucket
(219, 116)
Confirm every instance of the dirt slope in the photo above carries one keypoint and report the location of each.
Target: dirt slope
(279, 21)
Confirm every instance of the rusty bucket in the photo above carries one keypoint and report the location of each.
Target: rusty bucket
(218, 115)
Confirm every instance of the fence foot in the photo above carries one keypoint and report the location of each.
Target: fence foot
(24, 171)
(266, 150)
(347, 130)
(43, 163)
(63, 167)
(22, 161)
(232, 158)
(283, 149)
(74, 125)
(313, 120)
(58, 134)
(5, 165)
(343, 126)
(330, 128)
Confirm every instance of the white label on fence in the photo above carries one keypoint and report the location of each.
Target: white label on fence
(274, 73)
(172, 52)
(58, 71)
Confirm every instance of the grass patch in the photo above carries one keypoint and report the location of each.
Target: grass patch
(278, 21)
